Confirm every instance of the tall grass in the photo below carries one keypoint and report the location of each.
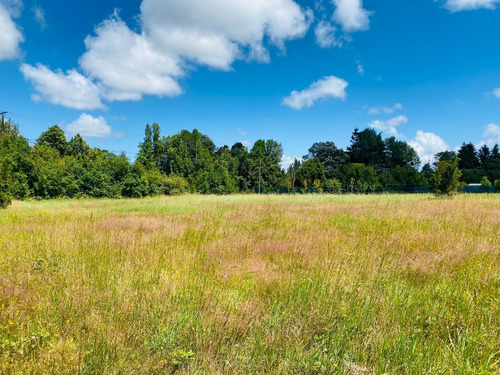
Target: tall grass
(251, 284)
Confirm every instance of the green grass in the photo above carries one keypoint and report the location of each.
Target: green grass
(317, 284)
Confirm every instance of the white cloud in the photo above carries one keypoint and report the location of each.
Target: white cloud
(127, 66)
(377, 110)
(88, 126)
(360, 67)
(327, 87)
(351, 15)
(39, 15)
(496, 93)
(459, 5)
(217, 32)
(390, 125)
(287, 161)
(10, 36)
(491, 135)
(70, 89)
(242, 131)
(428, 144)
(325, 35)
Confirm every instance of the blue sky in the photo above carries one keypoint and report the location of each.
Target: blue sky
(425, 71)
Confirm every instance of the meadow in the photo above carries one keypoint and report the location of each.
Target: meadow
(316, 284)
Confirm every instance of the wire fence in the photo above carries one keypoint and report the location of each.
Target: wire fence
(378, 189)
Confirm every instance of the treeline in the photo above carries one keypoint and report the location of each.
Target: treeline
(190, 162)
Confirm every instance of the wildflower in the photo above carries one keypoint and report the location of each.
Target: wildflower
(11, 323)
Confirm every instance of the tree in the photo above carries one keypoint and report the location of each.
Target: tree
(265, 157)
(54, 137)
(485, 184)
(367, 147)
(446, 177)
(444, 156)
(468, 157)
(310, 171)
(77, 146)
(329, 155)
(146, 149)
(484, 155)
(400, 153)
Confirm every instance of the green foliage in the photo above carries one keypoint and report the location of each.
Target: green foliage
(468, 158)
(190, 162)
(400, 154)
(175, 185)
(333, 186)
(265, 169)
(329, 155)
(485, 182)
(367, 147)
(497, 185)
(310, 171)
(54, 137)
(446, 178)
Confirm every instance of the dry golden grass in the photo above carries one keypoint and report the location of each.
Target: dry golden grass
(251, 284)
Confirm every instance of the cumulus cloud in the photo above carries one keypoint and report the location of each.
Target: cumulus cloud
(126, 65)
(39, 15)
(351, 15)
(491, 135)
(217, 32)
(428, 144)
(327, 87)
(69, 89)
(377, 110)
(496, 93)
(287, 161)
(459, 5)
(88, 126)
(10, 35)
(389, 126)
(325, 35)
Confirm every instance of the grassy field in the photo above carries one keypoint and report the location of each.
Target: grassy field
(251, 285)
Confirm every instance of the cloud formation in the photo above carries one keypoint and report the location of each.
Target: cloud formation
(126, 65)
(10, 35)
(377, 110)
(427, 144)
(351, 15)
(460, 5)
(70, 89)
(39, 15)
(217, 32)
(491, 135)
(325, 35)
(88, 126)
(496, 93)
(389, 126)
(326, 87)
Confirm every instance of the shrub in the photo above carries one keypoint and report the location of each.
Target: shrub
(175, 185)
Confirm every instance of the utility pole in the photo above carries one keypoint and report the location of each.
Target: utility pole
(3, 120)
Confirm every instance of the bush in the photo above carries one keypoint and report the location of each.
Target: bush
(445, 180)
(497, 185)
(175, 185)
(5, 199)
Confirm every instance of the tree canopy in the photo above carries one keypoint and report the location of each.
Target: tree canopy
(189, 161)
